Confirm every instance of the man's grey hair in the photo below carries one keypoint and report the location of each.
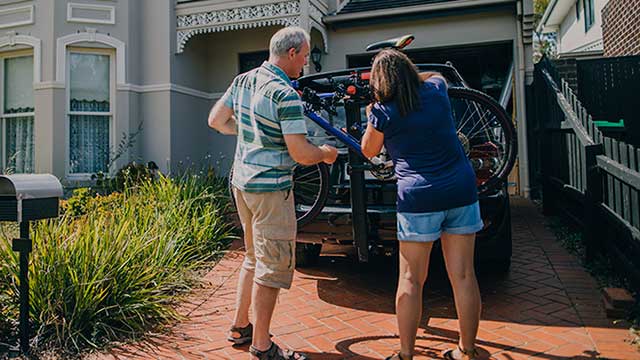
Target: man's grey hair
(287, 38)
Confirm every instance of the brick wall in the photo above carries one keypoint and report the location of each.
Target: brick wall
(621, 28)
(568, 70)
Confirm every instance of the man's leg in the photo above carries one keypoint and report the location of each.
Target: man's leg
(245, 281)
(414, 264)
(264, 302)
(274, 230)
(243, 299)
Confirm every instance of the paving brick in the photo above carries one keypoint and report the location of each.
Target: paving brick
(548, 307)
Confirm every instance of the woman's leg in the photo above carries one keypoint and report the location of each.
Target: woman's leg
(414, 264)
(458, 253)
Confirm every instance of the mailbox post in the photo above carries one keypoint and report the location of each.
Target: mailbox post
(26, 197)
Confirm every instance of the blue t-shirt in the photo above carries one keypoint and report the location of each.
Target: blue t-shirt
(433, 171)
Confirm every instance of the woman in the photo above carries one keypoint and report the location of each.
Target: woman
(437, 195)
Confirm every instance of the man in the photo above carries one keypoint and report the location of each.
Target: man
(266, 113)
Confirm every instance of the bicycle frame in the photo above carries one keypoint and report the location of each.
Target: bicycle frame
(347, 139)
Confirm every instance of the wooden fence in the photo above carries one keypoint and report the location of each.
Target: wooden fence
(591, 179)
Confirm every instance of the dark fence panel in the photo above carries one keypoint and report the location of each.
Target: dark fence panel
(608, 90)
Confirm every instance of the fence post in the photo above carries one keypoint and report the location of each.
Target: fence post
(548, 108)
(592, 230)
(548, 206)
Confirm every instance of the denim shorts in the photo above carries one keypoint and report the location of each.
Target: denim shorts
(426, 227)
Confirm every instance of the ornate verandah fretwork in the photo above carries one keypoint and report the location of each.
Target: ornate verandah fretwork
(285, 13)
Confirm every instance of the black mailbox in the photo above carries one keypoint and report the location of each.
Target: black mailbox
(26, 197)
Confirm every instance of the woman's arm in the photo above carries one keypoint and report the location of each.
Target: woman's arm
(424, 76)
(372, 140)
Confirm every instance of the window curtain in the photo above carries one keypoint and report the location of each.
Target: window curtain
(89, 133)
(18, 98)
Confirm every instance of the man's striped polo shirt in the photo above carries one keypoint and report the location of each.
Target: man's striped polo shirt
(266, 107)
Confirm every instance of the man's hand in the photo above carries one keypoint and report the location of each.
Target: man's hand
(305, 153)
(330, 153)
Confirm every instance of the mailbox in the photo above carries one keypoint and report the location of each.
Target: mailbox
(25, 197)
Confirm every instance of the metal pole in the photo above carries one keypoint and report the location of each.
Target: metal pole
(23, 245)
(357, 191)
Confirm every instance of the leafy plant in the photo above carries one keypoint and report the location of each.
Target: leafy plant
(130, 175)
(113, 266)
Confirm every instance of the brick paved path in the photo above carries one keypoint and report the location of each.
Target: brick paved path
(546, 308)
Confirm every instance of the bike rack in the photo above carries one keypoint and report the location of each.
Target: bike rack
(357, 191)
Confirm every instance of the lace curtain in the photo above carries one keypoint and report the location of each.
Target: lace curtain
(89, 115)
(18, 99)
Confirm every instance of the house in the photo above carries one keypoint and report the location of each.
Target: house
(577, 25)
(81, 77)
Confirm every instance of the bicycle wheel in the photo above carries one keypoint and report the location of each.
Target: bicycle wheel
(310, 191)
(487, 136)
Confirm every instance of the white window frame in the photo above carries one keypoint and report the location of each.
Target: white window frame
(68, 113)
(3, 116)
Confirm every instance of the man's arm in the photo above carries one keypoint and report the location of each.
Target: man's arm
(305, 153)
(221, 118)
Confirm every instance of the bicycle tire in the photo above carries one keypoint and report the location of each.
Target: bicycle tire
(500, 174)
(304, 215)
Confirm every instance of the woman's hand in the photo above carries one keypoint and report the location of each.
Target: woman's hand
(424, 76)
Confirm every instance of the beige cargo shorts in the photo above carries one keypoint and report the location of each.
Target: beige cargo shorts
(269, 223)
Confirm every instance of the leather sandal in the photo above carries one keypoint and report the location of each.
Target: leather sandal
(276, 353)
(466, 354)
(246, 334)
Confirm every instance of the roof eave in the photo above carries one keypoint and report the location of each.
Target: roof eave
(459, 4)
(554, 15)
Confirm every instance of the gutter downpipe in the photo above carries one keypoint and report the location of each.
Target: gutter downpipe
(523, 147)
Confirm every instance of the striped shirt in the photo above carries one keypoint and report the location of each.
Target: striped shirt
(266, 107)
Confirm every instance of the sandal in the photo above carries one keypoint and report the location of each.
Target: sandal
(276, 353)
(246, 334)
(466, 354)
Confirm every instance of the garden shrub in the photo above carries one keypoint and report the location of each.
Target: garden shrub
(112, 266)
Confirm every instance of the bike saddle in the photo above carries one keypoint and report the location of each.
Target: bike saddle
(395, 43)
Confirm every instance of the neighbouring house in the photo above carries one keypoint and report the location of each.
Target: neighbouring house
(621, 28)
(577, 25)
(80, 74)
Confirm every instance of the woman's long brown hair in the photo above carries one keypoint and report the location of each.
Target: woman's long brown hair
(395, 78)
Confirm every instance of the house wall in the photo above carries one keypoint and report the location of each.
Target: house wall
(429, 33)
(156, 45)
(572, 35)
(621, 27)
(208, 64)
(50, 23)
